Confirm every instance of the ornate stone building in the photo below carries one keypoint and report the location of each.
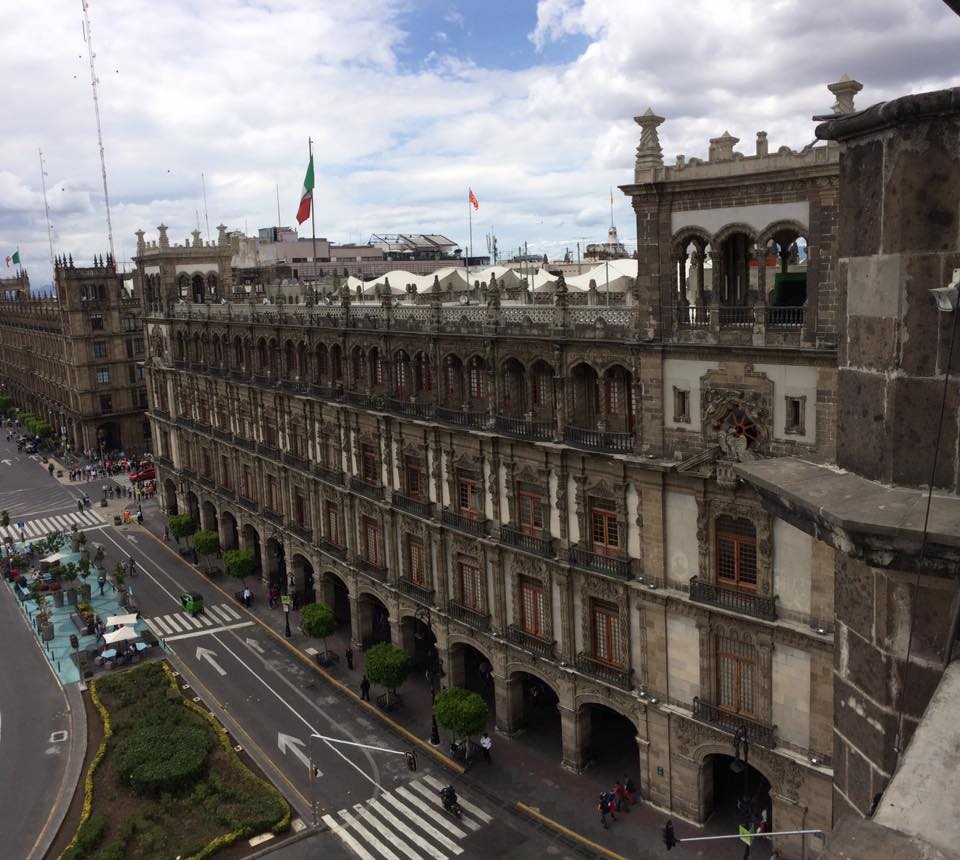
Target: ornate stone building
(75, 358)
(550, 489)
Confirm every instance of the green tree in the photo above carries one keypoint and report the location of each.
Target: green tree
(6, 401)
(181, 526)
(206, 543)
(318, 620)
(462, 712)
(387, 666)
(240, 563)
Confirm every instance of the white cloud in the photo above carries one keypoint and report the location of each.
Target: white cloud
(234, 90)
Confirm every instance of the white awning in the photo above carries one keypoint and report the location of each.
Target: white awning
(57, 556)
(120, 635)
(118, 620)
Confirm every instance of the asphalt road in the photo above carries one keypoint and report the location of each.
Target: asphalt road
(34, 723)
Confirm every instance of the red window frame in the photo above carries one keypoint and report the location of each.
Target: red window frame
(368, 465)
(416, 560)
(471, 585)
(604, 531)
(606, 635)
(413, 478)
(333, 524)
(371, 542)
(530, 513)
(532, 608)
(736, 677)
(469, 493)
(736, 541)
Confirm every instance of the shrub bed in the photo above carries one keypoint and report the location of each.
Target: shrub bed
(168, 783)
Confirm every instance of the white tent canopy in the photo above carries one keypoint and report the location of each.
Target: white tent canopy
(124, 633)
(118, 620)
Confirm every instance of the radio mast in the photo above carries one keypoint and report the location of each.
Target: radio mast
(46, 208)
(94, 80)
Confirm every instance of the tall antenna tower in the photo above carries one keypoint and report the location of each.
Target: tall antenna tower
(46, 208)
(94, 80)
(206, 216)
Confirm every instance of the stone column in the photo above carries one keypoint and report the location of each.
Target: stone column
(567, 644)
(508, 693)
(680, 273)
(575, 731)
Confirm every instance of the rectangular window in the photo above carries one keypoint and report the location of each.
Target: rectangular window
(96, 322)
(300, 510)
(99, 349)
(138, 346)
(206, 463)
(470, 497)
(416, 565)
(681, 406)
(606, 634)
(371, 541)
(138, 372)
(248, 487)
(299, 443)
(332, 522)
(530, 513)
(796, 407)
(605, 531)
(142, 398)
(129, 349)
(368, 465)
(103, 375)
(270, 435)
(736, 676)
(164, 444)
(225, 475)
(413, 478)
(106, 403)
(273, 494)
(533, 612)
(131, 323)
(736, 553)
(471, 586)
(475, 377)
(146, 430)
(539, 388)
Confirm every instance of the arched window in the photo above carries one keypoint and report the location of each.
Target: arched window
(475, 378)
(321, 361)
(736, 553)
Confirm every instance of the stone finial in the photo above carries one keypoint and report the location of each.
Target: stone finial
(681, 161)
(70, 261)
(649, 151)
(435, 286)
(221, 234)
(721, 148)
(196, 239)
(141, 245)
(844, 90)
(762, 144)
(164, 241)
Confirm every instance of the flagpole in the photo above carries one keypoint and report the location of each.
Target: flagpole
(470, 246)
(313, 220)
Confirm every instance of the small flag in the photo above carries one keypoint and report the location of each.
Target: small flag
(473, 199)
(611, 197)
(306, 196)
(16, 257)
(7, 260)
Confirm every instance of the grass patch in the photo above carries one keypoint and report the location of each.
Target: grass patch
(169, 783)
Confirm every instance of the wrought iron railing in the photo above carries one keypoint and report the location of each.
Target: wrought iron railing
(529, 642)
(693, 316)
(414, 506)
(301, 532)
(528, 543)
(249, 504)
(471, 525)
(295, 460)
(188, 473)
(412, 409)
(377, 571)
(226, 492)
(294, 386)
(757, 732)
(334, 549)
(785, 317)
(736, 317)
(615, 675)
(371, 491)
(621, 568)
(524, 428)
(270, 451)
(325, 392)
(468, 615)
(418, 592)
(246, 444)
(331, 476)
(599, 440)
(475, 418)
(272, 516)
(734, 599)
(222, 435)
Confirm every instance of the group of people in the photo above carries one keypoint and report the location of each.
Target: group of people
(611, 802)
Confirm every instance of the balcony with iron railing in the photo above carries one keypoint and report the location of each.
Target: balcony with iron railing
(735, 599)
(526, 428)
(412, 409)
(264, 380)
(205, 481)
(475, 418)
(536, 545)
(248, 504)
(470, 616)
(372, 568)
(324, 392)
(246, 444)
(757, 732)
(290, 458)
(371, 491)
(603, 671)
(272, 516)
(419, 593)
(418, 507)
(619, 568)
(330, 476)
(531, 643)
(226, 493)
(785, 317)
(188, 472)
(470, 525)
(222, 435)
(270, 451)
(332, 548)
(598, 440)
(364, 399)
(301, 532)
(294, 386)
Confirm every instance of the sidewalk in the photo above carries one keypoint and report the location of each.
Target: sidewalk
(520, 771)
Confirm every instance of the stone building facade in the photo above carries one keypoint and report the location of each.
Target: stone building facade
(76, 358)
(551, 489)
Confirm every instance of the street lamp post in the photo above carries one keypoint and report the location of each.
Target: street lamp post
(741, 753)
(434, 671)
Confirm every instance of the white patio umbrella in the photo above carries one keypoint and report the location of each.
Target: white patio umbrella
(118, 620)
(120, 635)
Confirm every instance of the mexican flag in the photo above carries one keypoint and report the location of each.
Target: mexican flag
(306, 196)
(13, 259)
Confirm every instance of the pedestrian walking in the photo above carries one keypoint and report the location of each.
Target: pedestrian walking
(612, 804)
(620, 796)
(365, 689)
(166, 535)
(485, 746)
(101, 581)
(602, 809)
(348, 654)
(247, 595)
(630, 789)
(79, 506)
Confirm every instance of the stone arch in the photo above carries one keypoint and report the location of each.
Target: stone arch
(713, 754)
(209, 519)
(700, 236)
(229, 534)
(786, 225)
(728, 230)
(373, 617)
(607, 736)
(304, 578)
(170, 496)
(334, 590)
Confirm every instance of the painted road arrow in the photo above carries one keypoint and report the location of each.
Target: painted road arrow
(252, 643)
(6, 462)
(295, 745)
(208, 655)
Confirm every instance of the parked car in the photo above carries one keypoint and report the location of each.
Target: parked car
(145, 473)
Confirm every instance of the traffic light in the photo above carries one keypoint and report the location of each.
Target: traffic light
(314, 772)
(411, 760)
(669, 840)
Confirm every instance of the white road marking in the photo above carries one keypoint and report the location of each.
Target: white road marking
(190, 621)
(210, 657)
(413, 836)
(295, 745)
(169, 619)
(449, 844)
(194, 633)
(220, 615)
(354, 822)
(395, 840)
(159, 626)
(347, 838)
(434, 797)
(230, 612)
(466, 804)
(442, 820)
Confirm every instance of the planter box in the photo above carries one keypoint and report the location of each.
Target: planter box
(82, 626)
(46, 631)
(58, 599)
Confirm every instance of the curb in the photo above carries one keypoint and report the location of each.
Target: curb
(569, 834)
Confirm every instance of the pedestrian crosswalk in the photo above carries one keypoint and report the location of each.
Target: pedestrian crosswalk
(42, 526)
(407, 823)
(176, 623)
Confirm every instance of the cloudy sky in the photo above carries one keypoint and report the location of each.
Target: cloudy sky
(409, 102)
